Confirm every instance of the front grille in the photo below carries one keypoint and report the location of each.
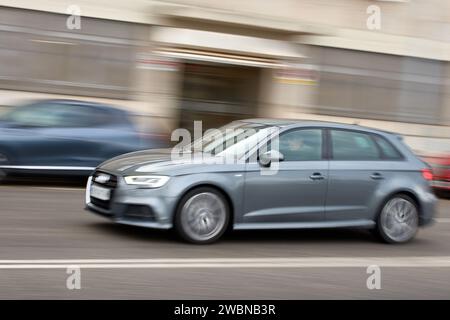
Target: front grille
(105, 180)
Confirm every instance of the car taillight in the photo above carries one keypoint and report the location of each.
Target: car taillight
(427, 174)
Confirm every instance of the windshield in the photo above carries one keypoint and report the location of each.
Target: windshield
(235, 137)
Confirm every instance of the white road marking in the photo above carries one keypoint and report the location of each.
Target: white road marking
(307, 262)
(442, 220)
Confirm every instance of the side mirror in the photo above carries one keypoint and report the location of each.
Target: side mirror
(266, 158)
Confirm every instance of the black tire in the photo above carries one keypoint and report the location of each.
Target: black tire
(4, 158)
(443, 194)
(3, 176)
(410, 226)
(186, 209)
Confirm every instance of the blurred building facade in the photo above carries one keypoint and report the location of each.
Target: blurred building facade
(173, 62)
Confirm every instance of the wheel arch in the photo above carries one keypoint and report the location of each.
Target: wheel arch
(407, 192)
(212, 186)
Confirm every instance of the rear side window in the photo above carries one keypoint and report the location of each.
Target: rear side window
(388, 150)
(86, 116)
(352, 145)
(76, 116)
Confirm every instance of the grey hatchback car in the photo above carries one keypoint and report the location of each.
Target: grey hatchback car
(270, 174)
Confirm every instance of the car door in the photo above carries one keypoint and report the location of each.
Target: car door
(69, 140)
(355, 173)
(59, 135)
(34, 129)
(296, 191)
(90, 135)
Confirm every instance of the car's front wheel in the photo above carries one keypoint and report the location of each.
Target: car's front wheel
(398, 221)
(202, 216)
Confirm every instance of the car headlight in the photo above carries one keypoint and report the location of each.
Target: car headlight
(147, 181)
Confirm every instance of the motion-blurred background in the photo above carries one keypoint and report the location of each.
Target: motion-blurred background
(97, 78)
(382, 64)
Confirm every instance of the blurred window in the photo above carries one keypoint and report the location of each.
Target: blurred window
(97, 62)
(35, 115)
(352, 145)
(301, 145)
(214, 83)
(217, 94)
(388, 150)
(380, 86)
(57, 116)
(77, 116)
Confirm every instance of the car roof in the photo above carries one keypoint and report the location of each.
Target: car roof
(287, 123)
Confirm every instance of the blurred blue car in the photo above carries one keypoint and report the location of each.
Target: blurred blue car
(66, 137)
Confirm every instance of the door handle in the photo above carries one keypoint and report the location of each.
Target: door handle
(316, 176)
(376, 176)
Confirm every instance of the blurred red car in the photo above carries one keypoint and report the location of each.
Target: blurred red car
(440, 165)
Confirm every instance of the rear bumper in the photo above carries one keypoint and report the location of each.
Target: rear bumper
(440, 185)
(428, 202)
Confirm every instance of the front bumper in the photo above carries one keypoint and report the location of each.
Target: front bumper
(130, 205)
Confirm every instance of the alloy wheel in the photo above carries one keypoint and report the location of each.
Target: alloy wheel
(399, 220)
(203, 216)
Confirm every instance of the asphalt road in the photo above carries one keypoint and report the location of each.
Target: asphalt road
(44, 230)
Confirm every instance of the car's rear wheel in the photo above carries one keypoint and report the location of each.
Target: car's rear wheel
(398, 221)
(202, 216)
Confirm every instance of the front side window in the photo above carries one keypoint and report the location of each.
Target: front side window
(301, 145)
(352, 145)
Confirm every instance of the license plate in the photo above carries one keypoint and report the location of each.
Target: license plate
(100, 192)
